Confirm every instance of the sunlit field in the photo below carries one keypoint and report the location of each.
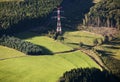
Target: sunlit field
(6, 52)
(42, 68)
(74, 38)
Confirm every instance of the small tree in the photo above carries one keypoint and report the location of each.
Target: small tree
(95, 42)
(81, 44)
(106, 39)
(61, 38)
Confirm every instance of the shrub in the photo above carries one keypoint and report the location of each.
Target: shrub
(100, 41)
(81, 44)
(61, 38)
(95, 42)
(108, 38)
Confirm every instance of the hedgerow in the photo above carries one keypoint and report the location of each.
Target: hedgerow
(20, 45)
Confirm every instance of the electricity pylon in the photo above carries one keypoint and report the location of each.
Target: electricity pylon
(59, 26)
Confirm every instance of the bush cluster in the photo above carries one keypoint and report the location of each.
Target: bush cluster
(87, 75)
(23, 46)
(55, 35)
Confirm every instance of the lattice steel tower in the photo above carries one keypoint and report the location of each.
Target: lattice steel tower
(59, 27)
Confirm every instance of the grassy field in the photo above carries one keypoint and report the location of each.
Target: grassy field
(74, 38)
(50, 44)
(6, 52)
(42, 68)
(110, 49)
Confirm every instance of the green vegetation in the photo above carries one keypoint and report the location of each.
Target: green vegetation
(110, 54)
(25, 47)
(113, 65)
(49, 43)
(108, 51)
(22, 15)
(110, 48)
(6, 52)
(106, 13)
(25, 14)
(87, 75)
(42, 68)
(73, 39)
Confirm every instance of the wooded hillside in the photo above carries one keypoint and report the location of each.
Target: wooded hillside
(22, 13)
(106, 13)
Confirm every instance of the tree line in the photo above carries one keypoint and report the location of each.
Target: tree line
(23, 46)
(106, 13)
(87, 75)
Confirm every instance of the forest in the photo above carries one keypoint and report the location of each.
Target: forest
(87, 75)
(106, 13)
(19, 15)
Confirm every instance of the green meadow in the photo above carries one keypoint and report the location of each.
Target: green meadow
(6, 52)
(74, 38)
(42, 68)
(49, 43)
(47, 68)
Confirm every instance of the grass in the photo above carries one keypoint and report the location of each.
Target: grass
(111, 48)
(42, 68)
(50, 44)
(45, 68)
(74, 38)
(115, 51)
(6, 52)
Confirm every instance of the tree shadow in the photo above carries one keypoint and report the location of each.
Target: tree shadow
(87, 46)
(74, 11)
(114, 42)
(105, 53)
(73, 43)
(27, 35)
(83, 36)
(44, 51)
(112, 47)
(82, 45)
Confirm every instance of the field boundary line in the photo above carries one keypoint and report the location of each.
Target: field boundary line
(12, 57)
